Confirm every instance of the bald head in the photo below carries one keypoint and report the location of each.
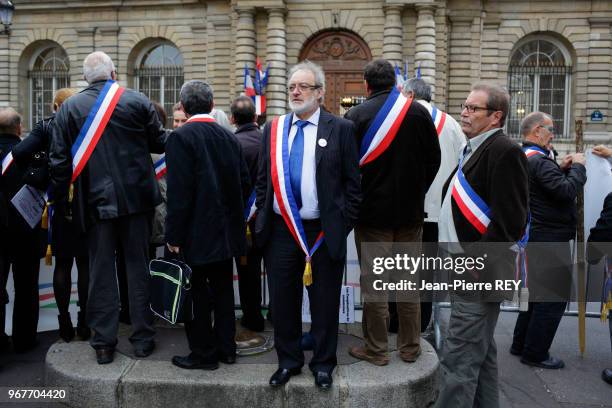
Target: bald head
(98, 66)
(10, 121)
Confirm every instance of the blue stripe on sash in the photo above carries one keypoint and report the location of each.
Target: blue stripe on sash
(378, 121)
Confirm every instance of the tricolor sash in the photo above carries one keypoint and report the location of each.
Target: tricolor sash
(201, 117)
(438, 117)
(6, 162)
(250, 208)
(473, 208)
(94, 126)
(384, 128)
(160, 167)
(531, 151)
(279, 160)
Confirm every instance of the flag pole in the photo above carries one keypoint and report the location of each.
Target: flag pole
(580, 257)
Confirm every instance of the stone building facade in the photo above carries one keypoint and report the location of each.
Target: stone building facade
(553, 55)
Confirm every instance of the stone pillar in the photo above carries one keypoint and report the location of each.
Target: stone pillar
(86, 45)
(393, 34)
(425, 51)
(276, 91)
(5, 77)
(245, 44)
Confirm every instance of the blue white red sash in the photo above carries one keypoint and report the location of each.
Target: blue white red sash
(531, 151)
(94, 126)
(201, 117)
(385, 126)
(438, 117)
(6, 162)
(160, 167)
(473, 208)
(250, 208)
(279, 160)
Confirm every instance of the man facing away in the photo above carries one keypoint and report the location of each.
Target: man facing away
(249, 268)
(495, 170)
(101, 142)
(553, 190)
(307, 199)
(207, 184)
(394, 181)
(452, 141)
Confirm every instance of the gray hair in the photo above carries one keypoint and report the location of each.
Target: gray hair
(316, 70)
(10, 120)
(419, 88)
(97, 66)
(532, 120)
(498, 99)
(196, 97)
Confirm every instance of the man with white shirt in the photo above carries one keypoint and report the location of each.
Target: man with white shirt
(308, 199)
(452, 142)
(486, 200)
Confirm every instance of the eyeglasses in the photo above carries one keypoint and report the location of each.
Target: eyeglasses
(550, 128)
(473, 108)
(302, 87)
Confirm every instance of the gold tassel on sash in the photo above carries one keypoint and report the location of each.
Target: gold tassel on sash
(606, 308)
(44, 223)
(307, 278)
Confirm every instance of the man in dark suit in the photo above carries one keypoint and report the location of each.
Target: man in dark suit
(394, 187)
(496, 169)
(19, 246)
(114, 195)
(208, 183)
(307, 198)
(249, 268)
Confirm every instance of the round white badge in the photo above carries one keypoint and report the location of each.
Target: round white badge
(322, 142)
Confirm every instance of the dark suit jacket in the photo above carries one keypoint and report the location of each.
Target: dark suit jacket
(394, 185)
(498, 173)
(249, 137)
(119, 178)
(337, 180)
(208, 185)
(600, 238)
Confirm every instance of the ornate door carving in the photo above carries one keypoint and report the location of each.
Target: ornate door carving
(342, 55)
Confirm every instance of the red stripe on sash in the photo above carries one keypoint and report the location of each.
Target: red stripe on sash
(94, 140)
(275, 178)
(441, 124)
(384, 144)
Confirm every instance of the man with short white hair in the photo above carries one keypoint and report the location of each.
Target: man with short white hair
(307, 199)
(101, 145)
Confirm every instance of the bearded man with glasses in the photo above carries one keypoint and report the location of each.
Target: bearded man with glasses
(308, 199)
(493, 172)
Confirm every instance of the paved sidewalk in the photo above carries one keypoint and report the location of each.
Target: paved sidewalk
(578, 385)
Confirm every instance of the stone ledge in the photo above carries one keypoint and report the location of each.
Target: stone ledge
(151, 383)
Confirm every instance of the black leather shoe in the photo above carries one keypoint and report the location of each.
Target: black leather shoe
(144, 350)
(227, 359)
(515, 352)
(551, 364)
(282, 376)
(606, 375)
(323, 380)
(105, 355)
(191, 362)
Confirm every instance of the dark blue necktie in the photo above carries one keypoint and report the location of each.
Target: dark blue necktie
(295, 162)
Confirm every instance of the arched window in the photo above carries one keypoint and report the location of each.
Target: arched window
(539, 79)
(160, 75)
(49, 71)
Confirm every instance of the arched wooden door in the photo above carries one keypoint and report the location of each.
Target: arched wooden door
(342, 55)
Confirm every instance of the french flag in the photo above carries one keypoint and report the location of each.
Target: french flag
(399, 78)
(249, 89)
(260, 104)
(261, 78)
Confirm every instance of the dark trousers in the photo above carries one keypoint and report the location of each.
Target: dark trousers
(25, 305)
(129, 235)
(430, 249)
(285, 263)
(214, 279)
(249, 288)
(535, 329)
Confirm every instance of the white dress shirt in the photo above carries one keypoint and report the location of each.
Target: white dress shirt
(310, 200)
(446, 224)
